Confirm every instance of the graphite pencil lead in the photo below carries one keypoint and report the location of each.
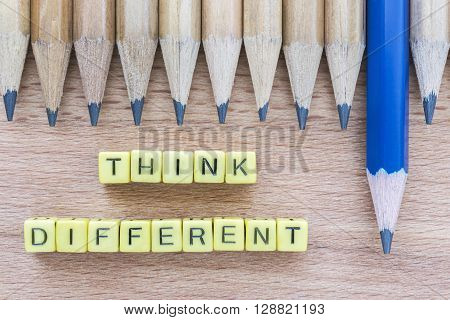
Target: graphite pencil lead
(222, 112)
(94, 112)
(263, 112)
(9, 99)
(302, 116)
(136, 107)
(52, 115)
(429, 104)
(344, 115)
(179, 111)
(386, 240)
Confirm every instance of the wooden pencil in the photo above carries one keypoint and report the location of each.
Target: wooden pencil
(51, 39)
(137, 39)
(14, 38)
(303, 41)
(345, 43)
(180, 36)
(387, 110)
(94, 36)
(222, 40)
(429, 46)
(263, 38)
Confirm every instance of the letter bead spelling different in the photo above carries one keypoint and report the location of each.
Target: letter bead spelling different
(197, 235)
(72, 235)
(39, 235)
(103, 235)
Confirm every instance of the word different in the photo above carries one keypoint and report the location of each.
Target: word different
(180, 167)
(79, 235)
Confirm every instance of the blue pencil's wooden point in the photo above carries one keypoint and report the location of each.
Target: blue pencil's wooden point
(263, 112)
(136, 107)
(222, 111)
(344, 115)
(52, 116)
(386, 240)
(9, 98)
(94, 112)
(302, 116)
(429, 105)
(179, 111)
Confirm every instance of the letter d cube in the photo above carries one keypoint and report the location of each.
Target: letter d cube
(39, 234)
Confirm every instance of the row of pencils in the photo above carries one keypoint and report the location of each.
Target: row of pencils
(302, 27)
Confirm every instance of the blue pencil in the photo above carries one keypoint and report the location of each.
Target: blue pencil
(387, 110)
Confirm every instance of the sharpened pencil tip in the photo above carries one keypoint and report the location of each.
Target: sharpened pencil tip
(263, 112)
(94, 112)
(302, 116)
(429, 105)
(179, 111)
(137, 106)
(386, 240)
(344, 115)
(222, 111)
(9, 98)
(52, 116)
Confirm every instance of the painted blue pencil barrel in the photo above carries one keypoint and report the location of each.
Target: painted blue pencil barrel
(387, 109)
(387, 85)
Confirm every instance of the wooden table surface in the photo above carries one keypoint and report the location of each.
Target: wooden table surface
(318, 174)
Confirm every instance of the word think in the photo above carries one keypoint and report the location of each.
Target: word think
(179, 167)
(79, 235)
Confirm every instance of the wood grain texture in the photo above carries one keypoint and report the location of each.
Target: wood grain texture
(221, 19)
(136, 19)
(318, 174)
(15, 16)
(94, 19)
(303, 21)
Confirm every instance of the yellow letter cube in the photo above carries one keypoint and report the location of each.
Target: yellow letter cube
(292, 234)
(209, 166)
(167, 235)
(178, 167)
(146, 166)
(114, 167)
(241, 168)
(197, 235)
(39, 234)
(229, 234)
(103, 235)
(261, 235)
(135, 236)
(72, 235)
